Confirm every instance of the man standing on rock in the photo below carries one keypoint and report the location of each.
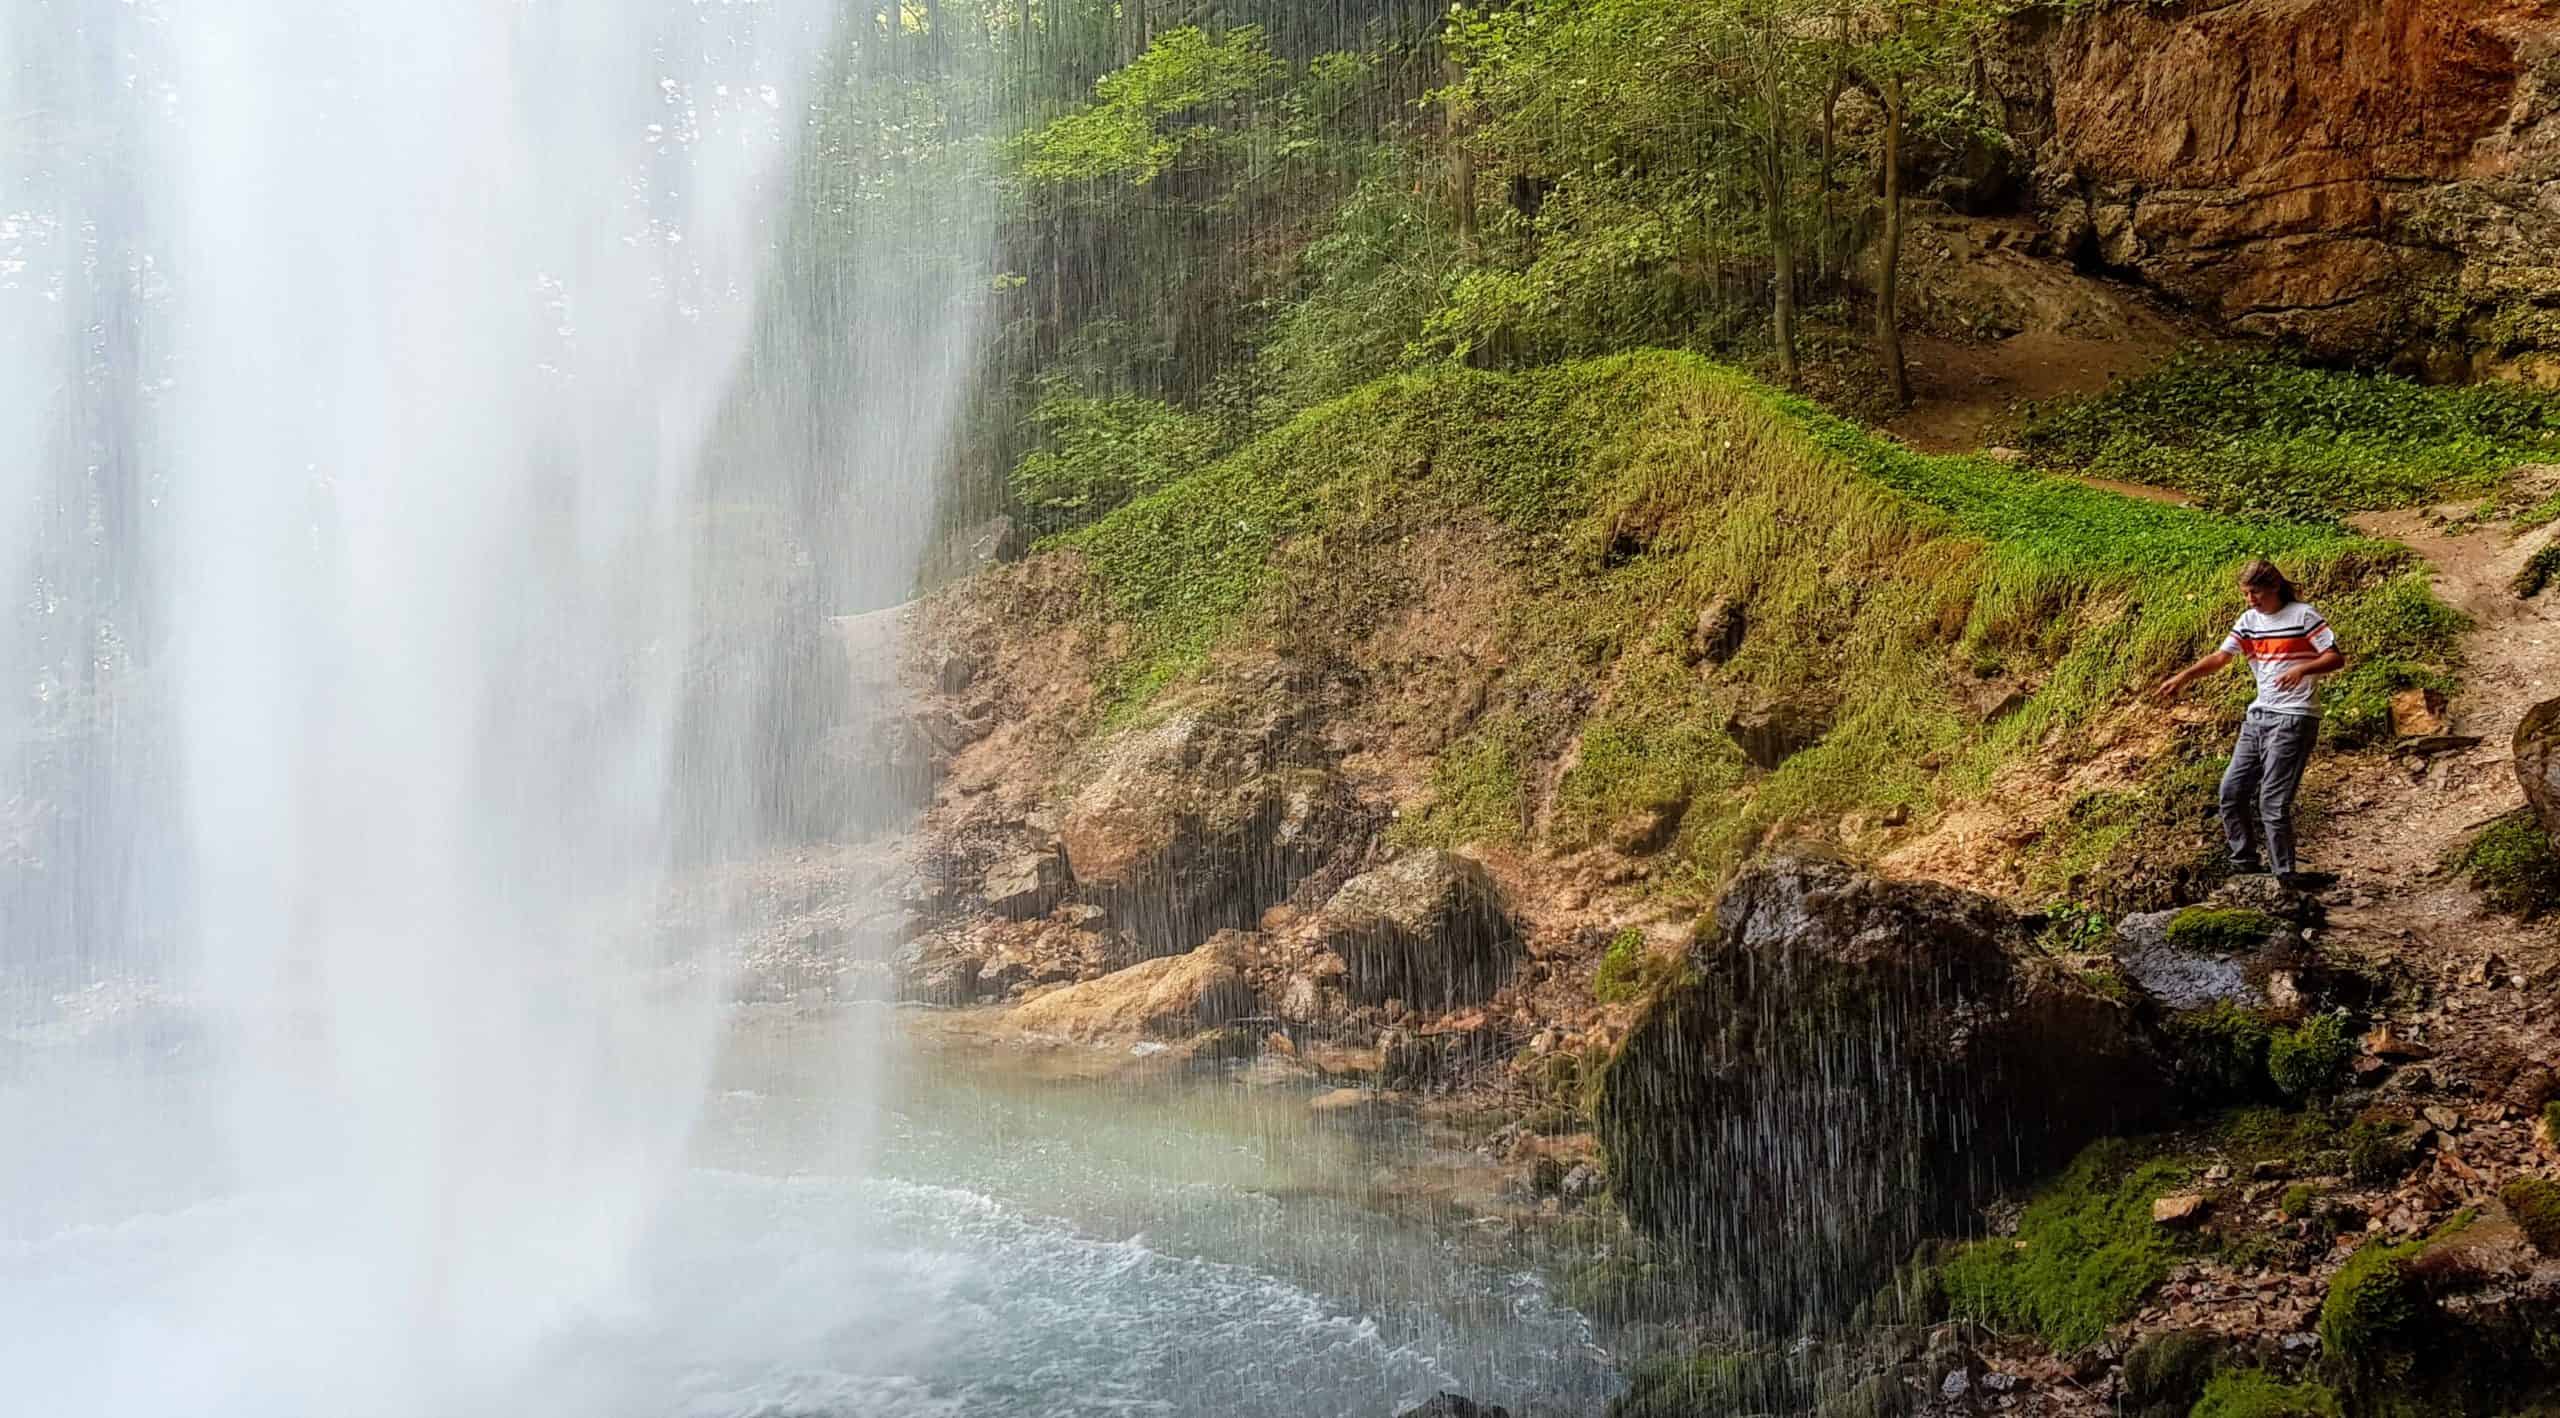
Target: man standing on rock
(2289, 647)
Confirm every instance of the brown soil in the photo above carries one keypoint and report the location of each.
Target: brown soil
(1968, 396)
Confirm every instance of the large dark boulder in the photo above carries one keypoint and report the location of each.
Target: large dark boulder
(1853, 1065)
(1428, 928)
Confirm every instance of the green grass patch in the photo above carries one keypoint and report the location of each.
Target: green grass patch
(1621, 973)
(2254, 1393)
(2085, 1254)
(2375, 1153)
(2511, 864)
(1609, 501)
(2260, 438)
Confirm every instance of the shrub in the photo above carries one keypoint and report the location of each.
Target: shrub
(2253, 1393)
(1103, 452)
(2223, 929)
(2305, 1061)
(2512, 866)
(2534, 1202)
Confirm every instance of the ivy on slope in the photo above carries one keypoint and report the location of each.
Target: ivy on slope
(2261, 438)
(1620, 496)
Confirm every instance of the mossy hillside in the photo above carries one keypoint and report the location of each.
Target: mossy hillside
(1616, 498)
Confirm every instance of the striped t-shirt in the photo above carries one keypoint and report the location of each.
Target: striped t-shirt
(2274, 643)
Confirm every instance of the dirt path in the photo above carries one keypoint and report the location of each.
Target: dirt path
(2390, 825)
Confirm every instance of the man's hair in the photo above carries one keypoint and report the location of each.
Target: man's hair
(2263, 575)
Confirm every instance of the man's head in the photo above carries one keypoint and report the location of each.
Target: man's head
(2266, 587)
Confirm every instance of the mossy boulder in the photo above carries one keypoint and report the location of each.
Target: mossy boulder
(1849, 1066)
(2375, 1317)
(2166, 1373)
(2534, 1202)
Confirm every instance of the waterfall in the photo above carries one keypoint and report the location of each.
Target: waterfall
(360, 367)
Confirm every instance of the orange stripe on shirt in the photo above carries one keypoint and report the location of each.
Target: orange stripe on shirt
(2291, 647)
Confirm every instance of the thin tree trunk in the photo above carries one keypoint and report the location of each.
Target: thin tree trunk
(1782, 254)
(1462, 161)
(1889, 253)
(1830, 255)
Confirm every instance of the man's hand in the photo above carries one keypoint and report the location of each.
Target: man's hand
(2168, 689)
(2291, 679)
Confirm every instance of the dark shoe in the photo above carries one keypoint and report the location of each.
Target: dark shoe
(2307, 880)
(2247, 866)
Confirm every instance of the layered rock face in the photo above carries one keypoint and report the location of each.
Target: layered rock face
(1851, 1065)
(2363, 177)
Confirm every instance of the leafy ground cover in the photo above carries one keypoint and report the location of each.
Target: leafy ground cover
(2258, 437)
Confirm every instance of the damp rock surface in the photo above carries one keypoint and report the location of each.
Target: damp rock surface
(1852, 1064)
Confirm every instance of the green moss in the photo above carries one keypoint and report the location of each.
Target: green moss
(2375, 1152)
(2220, 1054)
(2306, 1061)
(1622, 968)
(2226, 929)
(2085, 1253)
(2534, 1202)
(2371, 1322)
(2297, 1201)
(2512, 865)
(2167, 1371)
(2253, 1393)
(1682, 1386)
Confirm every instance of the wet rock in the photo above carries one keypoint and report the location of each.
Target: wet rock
(2181, 975)
(1429, 928)
(1026, 885)
(938, 969)
(1854, 1063)
(1171, 997)
(1195, 824)
(1583, 1182)
(2537, 762)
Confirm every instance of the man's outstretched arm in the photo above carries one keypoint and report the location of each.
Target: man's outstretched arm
(2168, 688)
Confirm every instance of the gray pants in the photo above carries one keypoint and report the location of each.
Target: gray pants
(2266, 767)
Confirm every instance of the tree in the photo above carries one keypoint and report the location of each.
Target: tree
(1915, 56)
